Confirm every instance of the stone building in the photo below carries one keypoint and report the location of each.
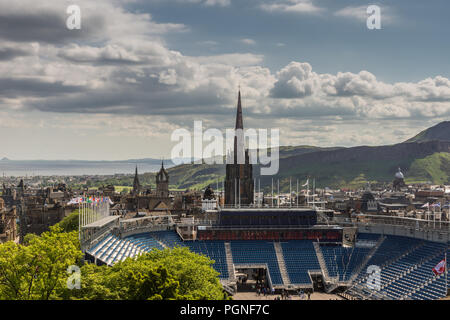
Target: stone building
(399, 181)
(36, 209)
(8, 226)
(239, 183)
(145, 200)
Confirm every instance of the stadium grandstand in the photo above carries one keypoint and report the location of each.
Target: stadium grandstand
(292, 249)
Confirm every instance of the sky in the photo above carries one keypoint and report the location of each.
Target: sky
(139, 69)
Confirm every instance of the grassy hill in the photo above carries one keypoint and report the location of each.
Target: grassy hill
(435, 168)
(424, 158)
(346, 167)
(440, 132)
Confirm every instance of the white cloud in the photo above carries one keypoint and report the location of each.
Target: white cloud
(221, 3)
(125, 70)
(294, 6)
(247, 41)
(233, 59)
(208, 3)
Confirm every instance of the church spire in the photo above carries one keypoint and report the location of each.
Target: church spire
(136, 184)
(239, 122)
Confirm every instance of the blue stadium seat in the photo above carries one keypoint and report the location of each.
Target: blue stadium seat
(257, 252)
(300, 257)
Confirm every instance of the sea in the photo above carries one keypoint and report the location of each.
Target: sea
(22, 168)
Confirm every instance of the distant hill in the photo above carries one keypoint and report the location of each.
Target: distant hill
(424, 158)
(439, 132)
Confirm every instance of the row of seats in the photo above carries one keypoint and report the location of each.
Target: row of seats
(341, 262)
(406, 263)
(113, 249)
(299, 258)
(411, 271)
(214, 250)
(170, 238)
(257, 252)
(406, 270)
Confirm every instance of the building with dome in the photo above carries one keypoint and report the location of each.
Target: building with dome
(399, 181)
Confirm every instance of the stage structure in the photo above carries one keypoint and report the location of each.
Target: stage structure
(94, 218)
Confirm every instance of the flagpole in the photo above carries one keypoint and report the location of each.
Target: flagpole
(260, 201)
(314, 192)
(272, 192)
(235, 192)
(254, 192)
(434, 217)
(290, 192)
(79, 221)
(278, 193)
(239, 193)
(307, 191)
(446, 270)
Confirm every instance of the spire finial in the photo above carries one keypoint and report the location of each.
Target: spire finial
(239, 122)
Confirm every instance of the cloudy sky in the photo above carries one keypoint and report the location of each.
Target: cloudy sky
(139, 69)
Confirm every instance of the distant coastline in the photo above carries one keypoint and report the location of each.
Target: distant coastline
(77, 167)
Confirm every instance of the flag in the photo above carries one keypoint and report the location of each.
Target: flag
(306, 183)
(436, 205)
(439, 268)
(426, 205)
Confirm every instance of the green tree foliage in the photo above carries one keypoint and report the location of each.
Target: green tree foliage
(37, 270)
(69, 223)
(167, 274)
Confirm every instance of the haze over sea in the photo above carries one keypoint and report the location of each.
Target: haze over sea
(76, 167)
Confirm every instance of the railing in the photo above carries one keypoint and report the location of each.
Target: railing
(418, 224)
(269, 227)
(281, 264)
(95, 238)
(142, 229)
(265, 206)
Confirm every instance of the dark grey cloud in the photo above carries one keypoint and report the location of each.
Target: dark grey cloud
(12, 53)
(101, 61)
(31, 87)
(149, 97)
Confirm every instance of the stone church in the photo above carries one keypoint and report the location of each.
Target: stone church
(148, 200)
(239, 183)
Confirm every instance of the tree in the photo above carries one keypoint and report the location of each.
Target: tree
(38, 270)
(198, 279)
(69, 223)
(167, 274)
